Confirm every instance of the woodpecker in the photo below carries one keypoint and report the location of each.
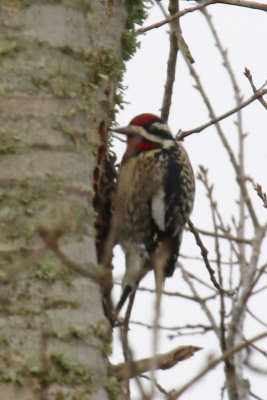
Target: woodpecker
(153, 200)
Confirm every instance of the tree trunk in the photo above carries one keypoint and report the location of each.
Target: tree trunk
(60, 62)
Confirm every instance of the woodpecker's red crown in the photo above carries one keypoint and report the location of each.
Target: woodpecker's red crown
(145, 119)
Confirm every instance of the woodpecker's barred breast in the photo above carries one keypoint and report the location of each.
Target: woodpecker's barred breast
(155, 194)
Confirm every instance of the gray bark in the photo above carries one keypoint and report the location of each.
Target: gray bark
(57, 86)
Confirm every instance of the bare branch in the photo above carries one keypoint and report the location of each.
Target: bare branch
(259, 273)
(257, 95)
(247, 285)
(241, 3)
(196, 258)
(127, 352)
(227, 354)
(157, 385)
(163, 361)
(253, 367)
(203, 304)
(226, 145)
(204, 328)
(255, 317)
(259, 350)
(171, 66)
(201, 281)
(255, 396)
(224, 236)
(204, 253)
(178, 294)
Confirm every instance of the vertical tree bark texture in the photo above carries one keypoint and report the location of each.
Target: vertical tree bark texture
(60, 62)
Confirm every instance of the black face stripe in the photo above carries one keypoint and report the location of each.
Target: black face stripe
(161, 133)
(156, 131)
(154, 128)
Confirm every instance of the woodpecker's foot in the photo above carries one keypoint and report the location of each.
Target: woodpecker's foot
(126, 292)
(113, 316)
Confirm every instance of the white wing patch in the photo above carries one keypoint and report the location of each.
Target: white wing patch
(158, 209)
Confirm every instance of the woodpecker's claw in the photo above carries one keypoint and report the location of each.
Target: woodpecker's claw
(126, 291)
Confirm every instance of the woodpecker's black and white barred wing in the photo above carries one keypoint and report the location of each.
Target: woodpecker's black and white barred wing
(172, 203)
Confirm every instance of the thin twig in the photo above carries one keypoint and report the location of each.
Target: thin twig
(182, 134)
(241, 3)
(214, 213)
(241, 136)
(174, 328)
(226, 145)
(202, 176)
(225, 236)
(259, 273)
(172, 60)
(262, 195)
(227, 354)
(256, 318)
(157, 385)
(248, 75)
(201, 281)
(258, 349)
(178, 294)
(255, 368)
(204, 253)
(247, 285)
(255, 396)
(203, 304)
(129, 367)
(197, 258)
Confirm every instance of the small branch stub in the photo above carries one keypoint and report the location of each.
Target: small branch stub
(127, 371)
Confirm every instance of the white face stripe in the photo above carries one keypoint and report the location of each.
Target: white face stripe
(161, 126)
(139, 130)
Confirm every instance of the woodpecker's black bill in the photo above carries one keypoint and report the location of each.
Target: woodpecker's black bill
(125, 130)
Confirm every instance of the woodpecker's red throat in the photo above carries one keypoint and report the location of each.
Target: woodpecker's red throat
(153, 201)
